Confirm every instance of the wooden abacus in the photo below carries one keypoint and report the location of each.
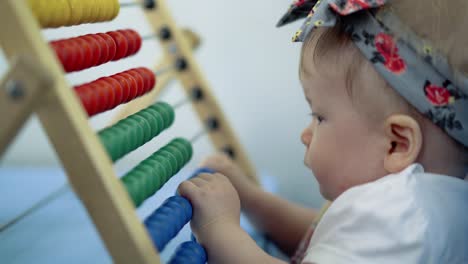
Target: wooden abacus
(35, 83)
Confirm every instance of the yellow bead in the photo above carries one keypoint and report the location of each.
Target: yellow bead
(109, 9)
(99, 10)
(44, 10)
(76, 11)
(104, 10)
(88, 10)
(95, 10)
(57, 13)
(65, 12)
(52, 14)
(116, 9)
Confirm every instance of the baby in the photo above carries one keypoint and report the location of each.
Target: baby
(386, 83)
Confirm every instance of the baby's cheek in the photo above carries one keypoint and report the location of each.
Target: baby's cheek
(317, 163)
(322, 161)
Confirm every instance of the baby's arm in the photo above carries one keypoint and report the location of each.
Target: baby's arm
(284, 222)
(215, 221)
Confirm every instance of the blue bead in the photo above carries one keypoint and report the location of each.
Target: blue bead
(189, 253)
(167, 221)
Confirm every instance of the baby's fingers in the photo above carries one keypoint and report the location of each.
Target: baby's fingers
(208, 176)
(188, 189)
(199, 181)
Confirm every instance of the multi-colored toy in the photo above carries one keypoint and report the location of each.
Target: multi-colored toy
(36, 84)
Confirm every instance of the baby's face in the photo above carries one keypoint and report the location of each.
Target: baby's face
(343, 148)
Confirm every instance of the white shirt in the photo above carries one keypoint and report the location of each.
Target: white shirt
(409, 217)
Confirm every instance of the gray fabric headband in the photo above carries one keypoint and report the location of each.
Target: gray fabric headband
(409, 64)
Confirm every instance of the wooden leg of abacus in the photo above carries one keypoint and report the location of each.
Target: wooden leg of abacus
(19, 91)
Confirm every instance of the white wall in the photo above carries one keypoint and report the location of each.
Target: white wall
(253, 69)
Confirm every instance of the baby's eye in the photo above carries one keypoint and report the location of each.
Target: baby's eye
(319, 118)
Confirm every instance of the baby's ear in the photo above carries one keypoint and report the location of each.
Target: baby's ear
(404, 142)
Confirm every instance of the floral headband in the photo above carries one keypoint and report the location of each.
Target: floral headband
(417, 72)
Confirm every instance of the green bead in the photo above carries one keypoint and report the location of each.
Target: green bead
(160, 170)
(182, 149)
(139, 133)
(133, 132)
(136, 130)
(167, 111)
(159, 117)
(146, 128)
(166, 165)
(131, 136)
(181, 160)
(148, 179)
(186, 145)
(139, 186)
(121, 140)
(170, 110)
(159, 174)
(153, 122)
(115, 148)
(173, 161)
(163, 114)
(178, 153)
(131, 184)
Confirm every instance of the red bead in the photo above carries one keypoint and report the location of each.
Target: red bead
(71, 58)
(125, 84)
(145, 76)
(149, 76)
(122, 44)
(104, 49)
(130, 42)
(108, 92)
(101, 97)
(93, 98)
(136, 39)
(118, 90)
(88, 99)
(133, 86)
(95, 48)
(140, 80)
(62, 54)
(110, 44)
(139, 41)
(111, 94)
(146, 81)
(87, 53)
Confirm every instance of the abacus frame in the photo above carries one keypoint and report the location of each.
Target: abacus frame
(36, 84)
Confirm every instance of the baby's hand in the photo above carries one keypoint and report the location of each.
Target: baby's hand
(215, 205)
(223, 164)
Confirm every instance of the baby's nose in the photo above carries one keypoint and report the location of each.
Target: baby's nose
(306, 137)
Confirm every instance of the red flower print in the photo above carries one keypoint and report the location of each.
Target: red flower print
(299, 2)
(386, 46)
(362, 3)
(350, 6)
(438, 96)
(395, 64)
